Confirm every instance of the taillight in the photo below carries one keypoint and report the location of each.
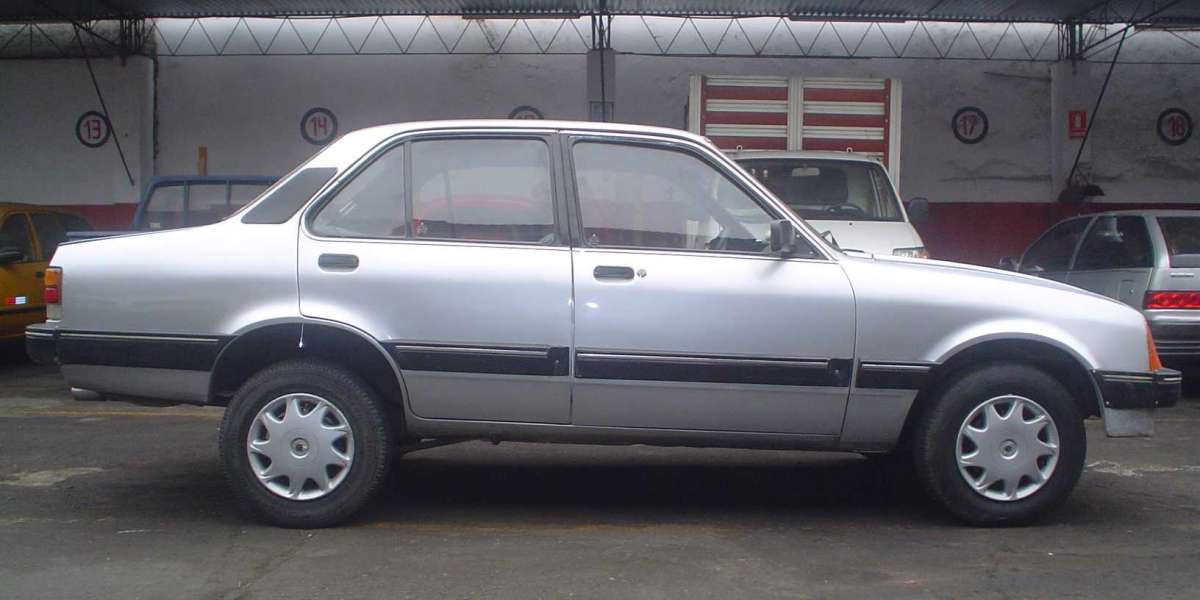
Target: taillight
(52, 294)
(1172, 300)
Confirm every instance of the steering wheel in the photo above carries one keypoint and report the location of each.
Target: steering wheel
(845, 208)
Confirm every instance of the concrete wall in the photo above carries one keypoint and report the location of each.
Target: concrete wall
(989, 198)
(42, 161)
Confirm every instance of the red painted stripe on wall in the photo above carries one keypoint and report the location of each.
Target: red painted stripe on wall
(749, 143)
(730, 92)
(744, 118)
(835, 95)
(840, 145)
(982, 233)
(105, 216)
(825, 120)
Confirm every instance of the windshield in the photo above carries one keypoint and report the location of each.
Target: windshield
(831, 190)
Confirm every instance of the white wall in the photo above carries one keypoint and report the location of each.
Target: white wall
(247, 109)
(41, 161)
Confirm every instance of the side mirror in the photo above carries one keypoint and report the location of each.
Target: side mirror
(10, 255)
(783, 237)
(1008, 263)
(918, 210)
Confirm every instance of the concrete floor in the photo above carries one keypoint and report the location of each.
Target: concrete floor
(117, 501)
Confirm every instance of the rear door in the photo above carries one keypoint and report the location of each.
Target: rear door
(683, 319)
(1050, 256)
(448, 250)
(1116, 259)
(20, 281)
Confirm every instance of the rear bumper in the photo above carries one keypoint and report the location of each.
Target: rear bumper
(1139, 390)
(41, 343)
(1175, 339)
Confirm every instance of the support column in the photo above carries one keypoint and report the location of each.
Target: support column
(601, 84)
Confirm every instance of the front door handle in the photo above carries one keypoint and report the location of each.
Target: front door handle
(338, 262)
(607, 272)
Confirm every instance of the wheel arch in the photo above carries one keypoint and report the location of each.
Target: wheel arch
(1065, 366)
(265, 344)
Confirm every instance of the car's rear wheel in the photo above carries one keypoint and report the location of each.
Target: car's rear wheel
(1002, 444)
(305, 444)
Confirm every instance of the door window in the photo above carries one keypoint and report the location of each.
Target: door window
(651, 197)
(50, 233)
(14, 234)
(371, 205)
(483, 189)
(1052, 252)
(1116, 243)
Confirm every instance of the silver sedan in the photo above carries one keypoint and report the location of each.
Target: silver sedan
(426, 283)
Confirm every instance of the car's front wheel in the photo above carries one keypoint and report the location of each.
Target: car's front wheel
(1002, 444)
(305, 444)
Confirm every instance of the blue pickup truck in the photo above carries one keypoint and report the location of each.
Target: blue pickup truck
(184, 201)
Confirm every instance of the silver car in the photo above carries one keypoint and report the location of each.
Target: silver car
(426, 283)
(1148, 259)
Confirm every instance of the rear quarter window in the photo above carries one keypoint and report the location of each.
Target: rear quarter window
(1182, 235)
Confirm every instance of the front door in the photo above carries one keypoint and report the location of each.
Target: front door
(21, 282)
(1050, 256)
(683, 318)
(458, 268)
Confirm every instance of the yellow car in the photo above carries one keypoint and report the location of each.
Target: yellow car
(29, 235)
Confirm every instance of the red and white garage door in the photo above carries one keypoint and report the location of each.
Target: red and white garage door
(797, 113)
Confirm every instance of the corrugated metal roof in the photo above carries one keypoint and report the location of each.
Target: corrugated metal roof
(1092, 11)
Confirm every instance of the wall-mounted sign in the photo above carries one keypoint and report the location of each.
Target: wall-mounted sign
(93, 129)
(525, 112)
(1174, 126)
(1077, 124)
(318, 126)
(970, 125)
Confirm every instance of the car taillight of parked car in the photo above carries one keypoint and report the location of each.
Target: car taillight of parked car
(1172, 300)
(53, 293)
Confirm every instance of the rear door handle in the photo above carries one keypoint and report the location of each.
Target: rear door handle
(338, 262)
(607, 272)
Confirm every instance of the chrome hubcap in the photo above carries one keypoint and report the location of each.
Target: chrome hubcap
(1007, 448)
(300, 446)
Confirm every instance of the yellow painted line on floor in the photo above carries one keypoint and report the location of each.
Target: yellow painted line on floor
(195, 414)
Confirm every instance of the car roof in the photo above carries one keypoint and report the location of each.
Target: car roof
(384, 131)
(802, 154)
(14, 206)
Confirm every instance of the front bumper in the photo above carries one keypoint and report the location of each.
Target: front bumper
(1138, 390)
(41, 343)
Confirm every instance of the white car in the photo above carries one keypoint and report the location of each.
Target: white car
(848, 197)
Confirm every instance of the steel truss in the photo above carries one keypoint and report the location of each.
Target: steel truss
(770, 37)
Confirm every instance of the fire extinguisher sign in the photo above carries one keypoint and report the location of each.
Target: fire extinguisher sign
(1077, 124)
(318, 126)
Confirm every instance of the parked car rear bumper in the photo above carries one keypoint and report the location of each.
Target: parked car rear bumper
(41, 343)
(1176, 338)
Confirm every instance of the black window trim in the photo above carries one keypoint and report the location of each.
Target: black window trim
(679, 145)
(331, 189)
(1088, 230)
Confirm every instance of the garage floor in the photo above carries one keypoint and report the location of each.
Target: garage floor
(114, 500)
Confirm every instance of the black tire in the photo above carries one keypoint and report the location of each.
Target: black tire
(935, 442)
(364, 412)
